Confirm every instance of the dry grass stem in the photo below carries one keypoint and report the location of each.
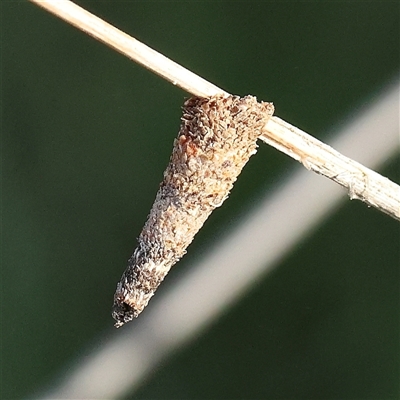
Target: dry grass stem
(130, 47)
(361, 182)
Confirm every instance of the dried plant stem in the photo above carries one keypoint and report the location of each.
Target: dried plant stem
(130, 47)
(361, 182)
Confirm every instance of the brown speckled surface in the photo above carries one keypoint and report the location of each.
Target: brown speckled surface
(216, 139)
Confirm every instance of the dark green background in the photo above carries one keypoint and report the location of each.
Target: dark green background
(86, 135)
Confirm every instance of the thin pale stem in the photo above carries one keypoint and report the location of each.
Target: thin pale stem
(130, 47)
(361, 182)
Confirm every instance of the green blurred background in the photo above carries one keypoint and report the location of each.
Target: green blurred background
(86, 135)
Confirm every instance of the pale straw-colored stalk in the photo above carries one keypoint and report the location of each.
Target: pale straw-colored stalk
(361, 182)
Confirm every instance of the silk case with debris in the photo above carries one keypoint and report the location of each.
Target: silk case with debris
(216, 139)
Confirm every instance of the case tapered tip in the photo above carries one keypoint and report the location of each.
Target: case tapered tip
(122, 313)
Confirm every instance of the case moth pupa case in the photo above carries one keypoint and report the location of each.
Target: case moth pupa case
(216, 139)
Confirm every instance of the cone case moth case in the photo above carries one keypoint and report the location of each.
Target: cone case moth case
(216, 139)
